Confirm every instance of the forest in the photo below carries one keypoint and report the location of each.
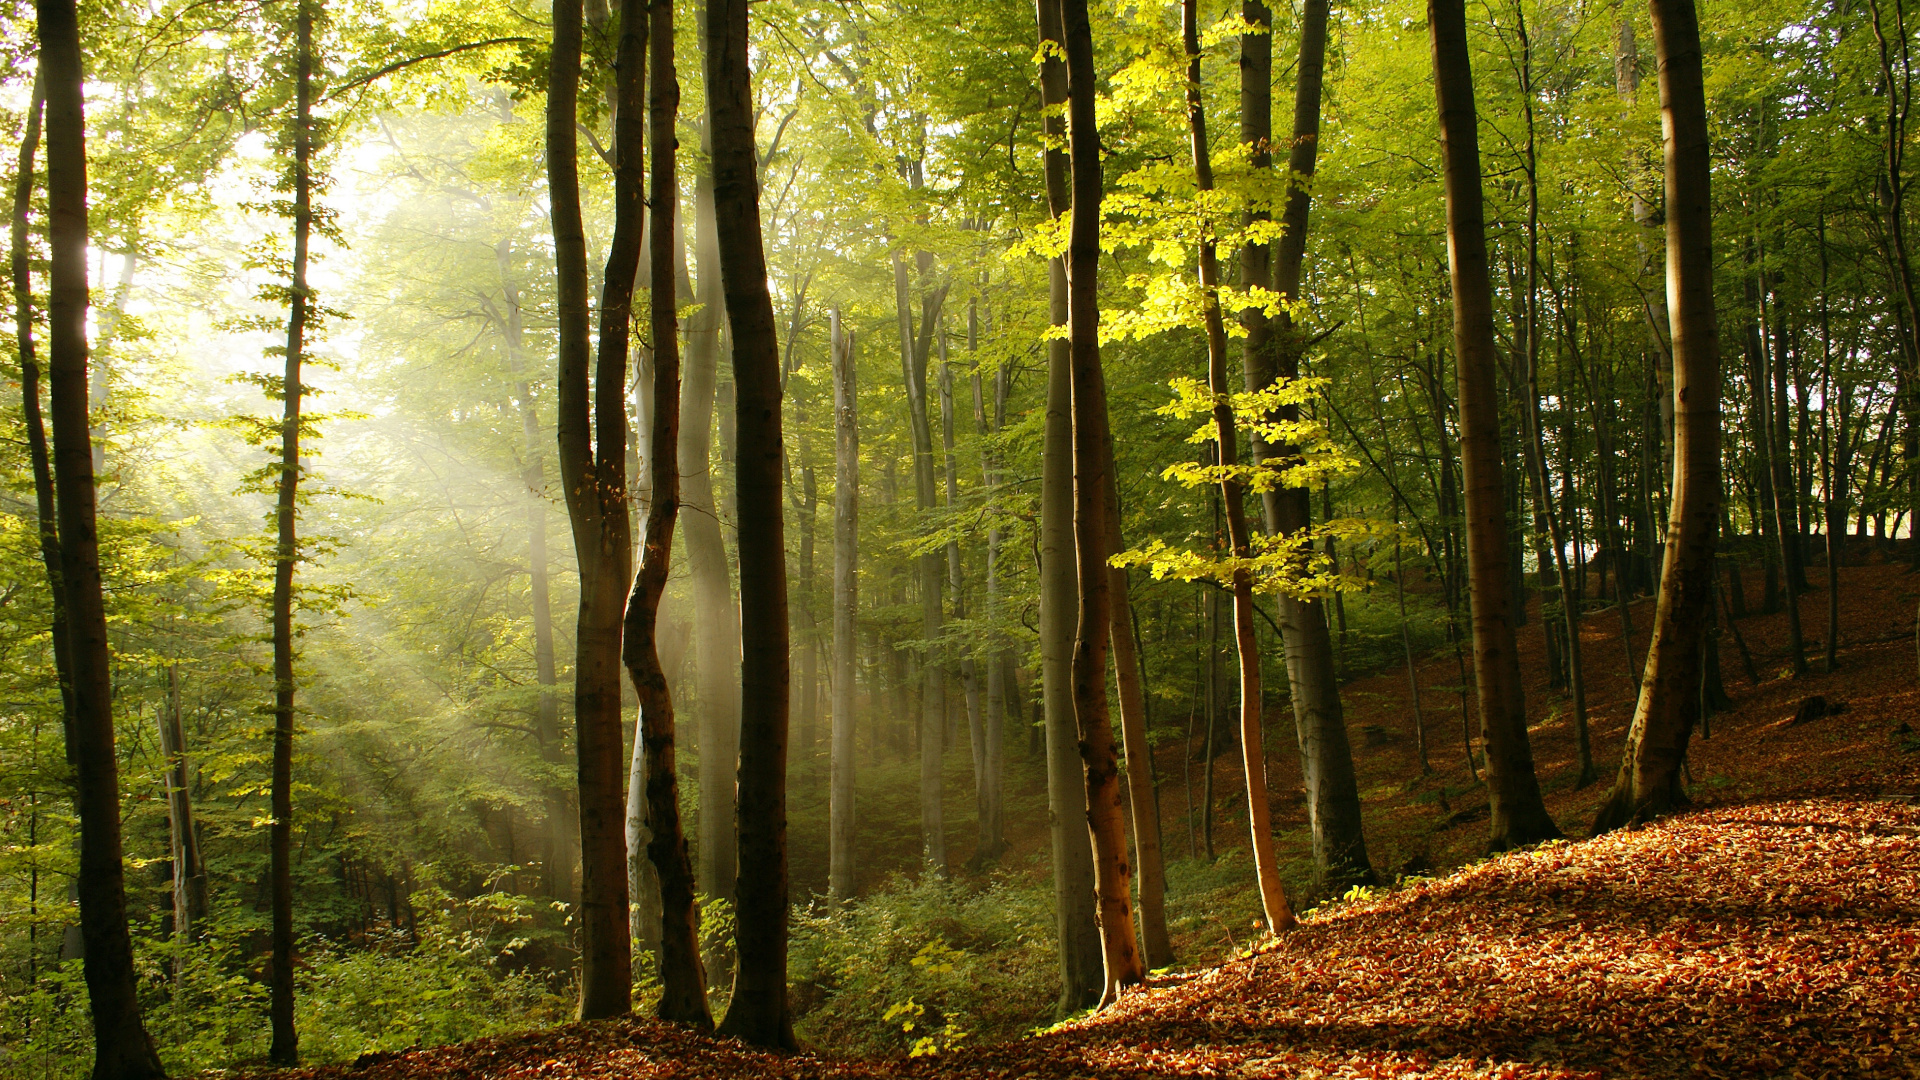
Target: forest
(941, 538)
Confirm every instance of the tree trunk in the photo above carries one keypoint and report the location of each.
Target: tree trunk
(1650, 770)
(1273, 896)
(285, 1047)
(758, 1013)
(1333, 794)
(592, 438)
(717, 625)
(1518, 816)
(986, 723)
(683, 980)
(841, 886)
(122, 1048)
(915, 352)
(189, 870)
(1092, 460)
(1076, 919)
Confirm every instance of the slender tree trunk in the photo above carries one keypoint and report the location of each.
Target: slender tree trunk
(1092, 460)
(683, 980)
(189, 870)
(1650, 771)
(1138, 751)
(985, 723)
(1273, 897)
(717, 625)
(285, 1047)
(1076, 918)
(758, 1013)
(915, 353)
(841, 884)
(592, 437)
(1518, 816)
(969, 671)
(122, 1048)
(1273, 351)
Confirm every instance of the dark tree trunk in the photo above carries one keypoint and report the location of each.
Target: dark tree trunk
(759, 1013)
(1092, 460)
(1518, 815)
(592, 436)
(122, 1049)
(1076, 919)
(189, 870)
(683, 980)
(285, 1047)
(1650, 770)
(846, 608)
(1273, 896)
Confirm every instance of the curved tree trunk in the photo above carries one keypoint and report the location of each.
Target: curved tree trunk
(1076, 921)
(683, 979)
(122, 1048)
(1273, 896)
(1649, 783)
(758, 1013)
(1518, 815)
(1092, 461)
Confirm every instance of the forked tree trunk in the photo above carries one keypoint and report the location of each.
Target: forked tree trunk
(122, 1048)
(1273, 896)
(1333, 795)
(285, 1047)
(759, 1013)
(1649, 783)
(1092, 461)
(915, 351)
(1518, 816)
(189, 870)
(592, 437)
(683, 979)
(846, 608)
(1144, 807)
(1076, 920)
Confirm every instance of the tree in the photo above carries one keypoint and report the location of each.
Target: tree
(1075, 919)
(1649, 783)
(1273, 897)
(759, 1013)
(1092, 462)
(1518, 816)
(121, 1046)
(593, 460)
(846, 606)
(683, 980)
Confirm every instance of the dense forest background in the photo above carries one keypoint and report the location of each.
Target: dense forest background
(902, 161)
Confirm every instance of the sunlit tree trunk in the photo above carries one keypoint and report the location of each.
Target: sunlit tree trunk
(122, 1048)
(592, 436)
(1273, 896)
(1092, 461)
(759, 1013)
(1649, 783)
(1518, 815)
(846, 608)
(1076, 921)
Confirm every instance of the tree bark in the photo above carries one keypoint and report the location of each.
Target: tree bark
(915, 352)
(758, 1013)
(1650, 781)
(1152, 886)
(683, 980)
(841, 886)
(1333, 793)
(189, 870)
(122, 1048)
(1092, 461)
(592, 437)
(1518, 816)
(1273, 896)
(285, 1047)
(1076, 920)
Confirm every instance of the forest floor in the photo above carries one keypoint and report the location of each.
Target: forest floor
(1772, 931)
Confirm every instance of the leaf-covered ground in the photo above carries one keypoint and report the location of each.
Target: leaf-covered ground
(1772, 939)
(1775, 931)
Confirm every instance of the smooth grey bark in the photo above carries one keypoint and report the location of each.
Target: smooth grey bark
(846, 607)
